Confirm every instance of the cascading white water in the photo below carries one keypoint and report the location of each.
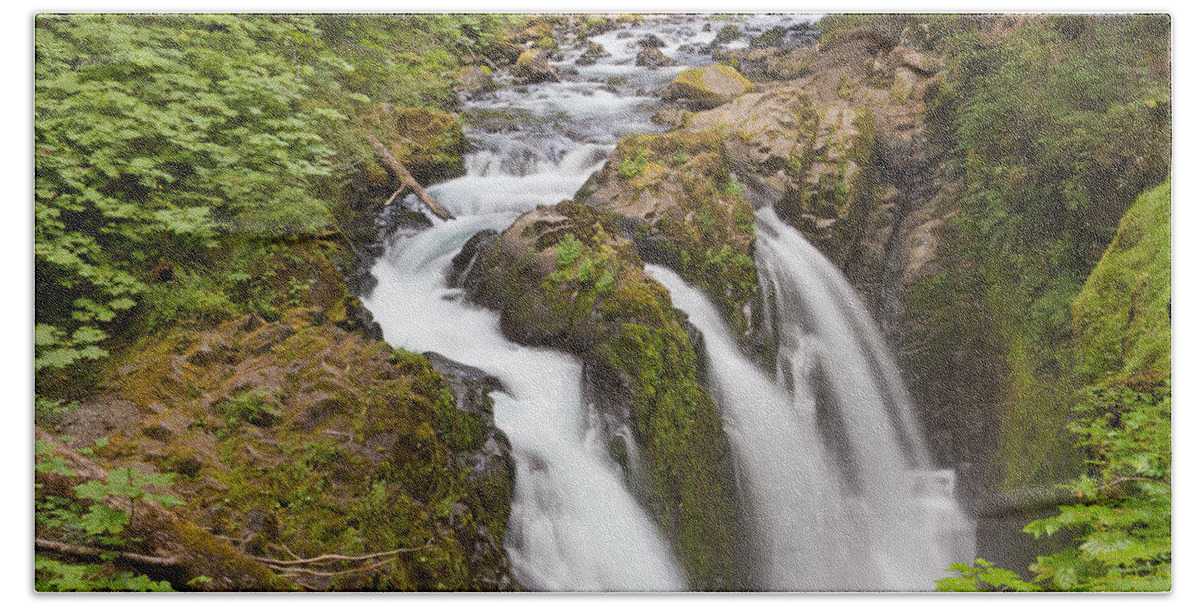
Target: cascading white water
(847, 504)
(838, 484)
(574, 525)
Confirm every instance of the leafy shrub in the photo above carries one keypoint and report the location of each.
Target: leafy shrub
(88, 519)
(1123, 519)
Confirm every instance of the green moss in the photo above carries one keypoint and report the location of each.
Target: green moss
(599, 303)
(699, 209)
(686, 459)
(1121, 319)
(355, 448)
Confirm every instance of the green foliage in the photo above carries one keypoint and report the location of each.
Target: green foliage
(633, 165)
(153, 136)
(55, 576)
(983, 576)
(128, 483)
(162, 139)
(1122, 522)
(593, 268)
(89, 519)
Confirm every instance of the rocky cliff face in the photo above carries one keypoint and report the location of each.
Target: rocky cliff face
(835, 138)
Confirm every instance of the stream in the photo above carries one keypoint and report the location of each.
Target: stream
(838, 488)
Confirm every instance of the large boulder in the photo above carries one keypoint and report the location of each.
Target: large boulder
(566, 277)
(707, 87)
(651, 57)
(302, 435)
(534, 66)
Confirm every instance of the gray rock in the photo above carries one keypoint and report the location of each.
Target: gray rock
(651, 57)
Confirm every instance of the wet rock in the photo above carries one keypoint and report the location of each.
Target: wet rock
(727, 33)
(594, 52)
(534, 66)
(650, 41)
(470, 385)
(460, 266)
(359, 320)
(474, 80)
(653, 58)
(707, 87)
(669, 117)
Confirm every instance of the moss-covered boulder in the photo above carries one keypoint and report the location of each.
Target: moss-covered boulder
(707, 87)
(565, 277)
(474, 80)
(534, 66)
(1122, 317)
(296, 439)
(679, 201)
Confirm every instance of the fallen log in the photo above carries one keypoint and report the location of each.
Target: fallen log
(408, 180)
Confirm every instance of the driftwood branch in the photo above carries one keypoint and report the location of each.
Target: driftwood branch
(365, 568)
(408, 180)
(394, 195)
(54, 546)
(346, 558)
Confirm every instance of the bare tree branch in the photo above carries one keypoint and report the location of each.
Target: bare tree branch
(54, 546)
(335, 557)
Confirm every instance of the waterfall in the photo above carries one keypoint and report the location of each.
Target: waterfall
(574, 524)
(839, 488)
(839, 491)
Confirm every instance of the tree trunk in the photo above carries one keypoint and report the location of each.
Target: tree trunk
(407, 179)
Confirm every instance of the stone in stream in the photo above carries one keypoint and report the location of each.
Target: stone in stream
(651, 57)
(534, 66)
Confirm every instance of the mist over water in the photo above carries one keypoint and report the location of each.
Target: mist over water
(837, 485)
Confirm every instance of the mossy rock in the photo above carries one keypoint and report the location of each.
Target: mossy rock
(566, 277)
(1122, 317)
(708, 86)
(534, 66)
(676, 197)
(302, 435)
(474, 80)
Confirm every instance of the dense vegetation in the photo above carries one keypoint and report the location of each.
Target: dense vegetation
(1055, 126)
(192, 169)
(1050, 165)
(173, 150)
